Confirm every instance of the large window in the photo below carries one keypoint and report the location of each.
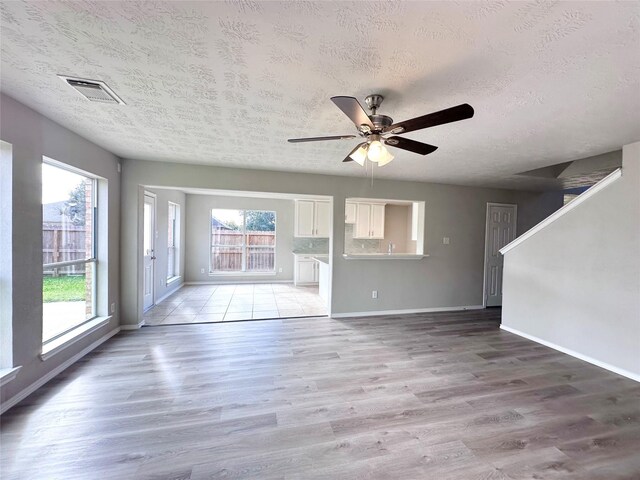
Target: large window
(173, 241)
(243, 241)
(68, 249)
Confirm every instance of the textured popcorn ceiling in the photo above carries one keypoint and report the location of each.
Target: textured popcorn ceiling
(226, 83)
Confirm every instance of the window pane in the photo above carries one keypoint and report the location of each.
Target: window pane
(67, 295)
(226, 227)
(147, 234)
(67, 215)
(67, 235)
(226, 259)
(173, 267)
(260, 259)
(243, 241)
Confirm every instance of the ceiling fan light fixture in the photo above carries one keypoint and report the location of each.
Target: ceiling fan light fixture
(386, 158)
(377, 151)
(360, 155)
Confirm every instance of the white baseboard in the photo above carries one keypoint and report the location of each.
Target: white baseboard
(132, 327)
(168, 294)
(236, 282)
(406, 311)
(56, 371)
(586, 358)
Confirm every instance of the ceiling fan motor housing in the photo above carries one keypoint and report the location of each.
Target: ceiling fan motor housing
(380, 121)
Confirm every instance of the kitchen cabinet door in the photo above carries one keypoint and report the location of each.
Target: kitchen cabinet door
(377, 221)
(350, 213)
(322, 219)
(363, 220)
(304, 220)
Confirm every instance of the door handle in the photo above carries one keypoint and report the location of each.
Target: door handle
(153, 258)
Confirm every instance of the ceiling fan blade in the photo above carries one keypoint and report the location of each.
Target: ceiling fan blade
(320, 139)
(352, 109)
(348, 157)
(448, 115)
(410, 145)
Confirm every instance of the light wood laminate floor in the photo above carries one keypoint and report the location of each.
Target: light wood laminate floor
(426, 396)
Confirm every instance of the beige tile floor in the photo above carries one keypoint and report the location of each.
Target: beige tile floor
(221, 303)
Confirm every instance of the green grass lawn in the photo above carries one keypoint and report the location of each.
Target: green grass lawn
(63, 289)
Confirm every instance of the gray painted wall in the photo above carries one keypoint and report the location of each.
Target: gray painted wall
(163, 197)
(452, 276)
(33, 136)
(199, 230)
(576, 283)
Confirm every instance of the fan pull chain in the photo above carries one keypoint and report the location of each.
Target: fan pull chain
(372, 169)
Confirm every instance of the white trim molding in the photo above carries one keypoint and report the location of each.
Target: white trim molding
(168, 294)
(132, 327)
(56, 371)
(8, 374)
(407, 311)
(58, 345)
(236, 282)
(605, 182)
(586, 358)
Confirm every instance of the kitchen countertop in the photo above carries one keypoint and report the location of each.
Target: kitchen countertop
(383, 256)
(322, 259)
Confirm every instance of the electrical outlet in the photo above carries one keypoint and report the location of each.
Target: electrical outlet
(445, 240)
(202, 270)
(280, 270)
(374, 294)
(113, 307)
(362, 245)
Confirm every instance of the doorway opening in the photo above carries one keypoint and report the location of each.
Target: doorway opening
(242, 256)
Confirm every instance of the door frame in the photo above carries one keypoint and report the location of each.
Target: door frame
(486, 242)
(154, 234)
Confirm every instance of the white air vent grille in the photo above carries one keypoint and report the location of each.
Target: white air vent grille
(93, 90)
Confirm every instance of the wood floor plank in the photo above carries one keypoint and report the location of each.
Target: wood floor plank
(439, 395)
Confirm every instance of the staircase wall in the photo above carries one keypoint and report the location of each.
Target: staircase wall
(574, 284)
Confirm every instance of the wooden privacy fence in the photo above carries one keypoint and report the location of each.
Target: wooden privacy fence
(228, 251)
(63, 245)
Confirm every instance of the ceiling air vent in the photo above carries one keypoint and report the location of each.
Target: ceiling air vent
(93, 90)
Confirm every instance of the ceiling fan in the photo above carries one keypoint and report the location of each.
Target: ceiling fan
(379, 130)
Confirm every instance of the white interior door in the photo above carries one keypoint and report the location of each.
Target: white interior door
(501, 229)
(148, 245)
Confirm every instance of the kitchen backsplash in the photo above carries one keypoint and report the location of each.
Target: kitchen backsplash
(311, 245)
(354, 245)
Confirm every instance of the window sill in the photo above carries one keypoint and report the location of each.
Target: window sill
(58, 345)
(8, 374)
(173, 280)
(242, 274)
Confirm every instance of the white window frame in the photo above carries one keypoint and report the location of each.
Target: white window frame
(175, 224)
(244, 245)
(92, 259)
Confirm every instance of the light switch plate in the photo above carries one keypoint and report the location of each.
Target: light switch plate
(445, 240)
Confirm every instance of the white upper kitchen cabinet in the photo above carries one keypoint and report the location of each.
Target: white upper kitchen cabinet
(363, 220)
(350, 213)
(323, 219)
(377, 221)
(369, 221)
(312, 218)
